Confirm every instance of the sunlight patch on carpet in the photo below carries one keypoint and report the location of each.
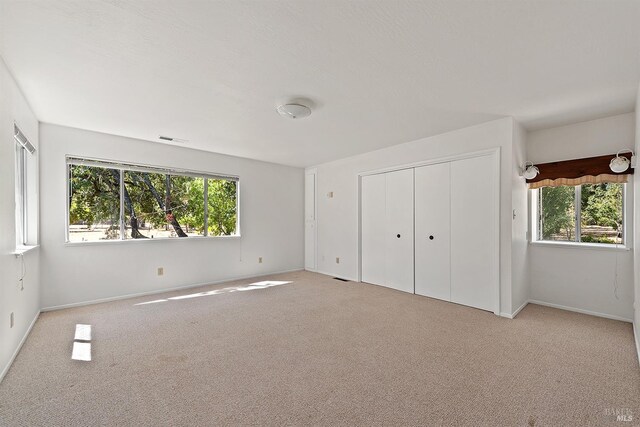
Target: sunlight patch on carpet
(81, 351)
(241, 288)
(83, 332)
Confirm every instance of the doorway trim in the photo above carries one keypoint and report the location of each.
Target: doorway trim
(314, 172)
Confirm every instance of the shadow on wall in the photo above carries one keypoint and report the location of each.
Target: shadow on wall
(243, 288)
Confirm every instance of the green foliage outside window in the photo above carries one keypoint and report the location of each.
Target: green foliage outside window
(222, 196)
(600, 211)
(602, 205)
(558, 213)
(94, 197)
(155, 204)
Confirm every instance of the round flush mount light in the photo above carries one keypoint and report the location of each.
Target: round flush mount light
(530, 171)
(294, 111)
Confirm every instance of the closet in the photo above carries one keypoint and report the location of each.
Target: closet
(433, 230)
(433, 223)
(387, 229)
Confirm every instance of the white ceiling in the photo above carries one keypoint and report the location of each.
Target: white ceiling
(381, 72)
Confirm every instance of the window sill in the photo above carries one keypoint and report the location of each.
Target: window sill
(21, 250)
(144, 241)
(588, 246)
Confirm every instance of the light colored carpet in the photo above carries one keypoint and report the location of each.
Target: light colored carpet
(318, 351)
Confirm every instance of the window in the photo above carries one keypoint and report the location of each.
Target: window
(587, 213)
(113, 201)
(94, 203)
(24, 187)
(21, 196)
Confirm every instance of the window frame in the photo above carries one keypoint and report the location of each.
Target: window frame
(22, 197)
(536, 223)
(123, 167)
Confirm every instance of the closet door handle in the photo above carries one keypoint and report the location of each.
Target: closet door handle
(430, 237)
(398, 236)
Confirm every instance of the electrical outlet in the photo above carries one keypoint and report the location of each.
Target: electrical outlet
(11, 320)
(260, 260)
(337, 260)
(160, 271)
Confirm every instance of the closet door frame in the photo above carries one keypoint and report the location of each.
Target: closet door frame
(494, 245)
(311, 246)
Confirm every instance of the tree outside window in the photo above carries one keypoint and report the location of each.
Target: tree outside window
(152, 204)
(588, 213)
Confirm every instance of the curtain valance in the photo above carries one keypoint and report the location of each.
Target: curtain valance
(591, 170)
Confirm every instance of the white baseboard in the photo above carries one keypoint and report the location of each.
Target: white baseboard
(160, 291)
(515, 313)
(15, 353)
(635, 337)
(580, 310)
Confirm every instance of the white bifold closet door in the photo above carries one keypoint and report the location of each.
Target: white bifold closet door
(433, 262)
(456, 231)
(399, 230)
(387, 230)
(474, 263)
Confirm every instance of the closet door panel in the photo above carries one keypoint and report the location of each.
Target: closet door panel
(473, 232)
(373, 226)
(399, 230)
(432, 237)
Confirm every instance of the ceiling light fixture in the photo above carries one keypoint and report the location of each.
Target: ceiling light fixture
(620, 163)
(294, 111)
(529, 170)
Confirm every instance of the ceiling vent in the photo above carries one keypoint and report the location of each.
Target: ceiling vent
(171, 139)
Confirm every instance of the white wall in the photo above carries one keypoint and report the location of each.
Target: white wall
(519, 225)
(579, 278)
(271, 222)
(337, 221)
(25, 304)
(585, 139)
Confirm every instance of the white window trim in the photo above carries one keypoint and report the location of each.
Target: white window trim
(26, 193)
(577, 245)
(22, 234)
(21, 250)
(125, 166)
(111, 164)
(627, 216)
